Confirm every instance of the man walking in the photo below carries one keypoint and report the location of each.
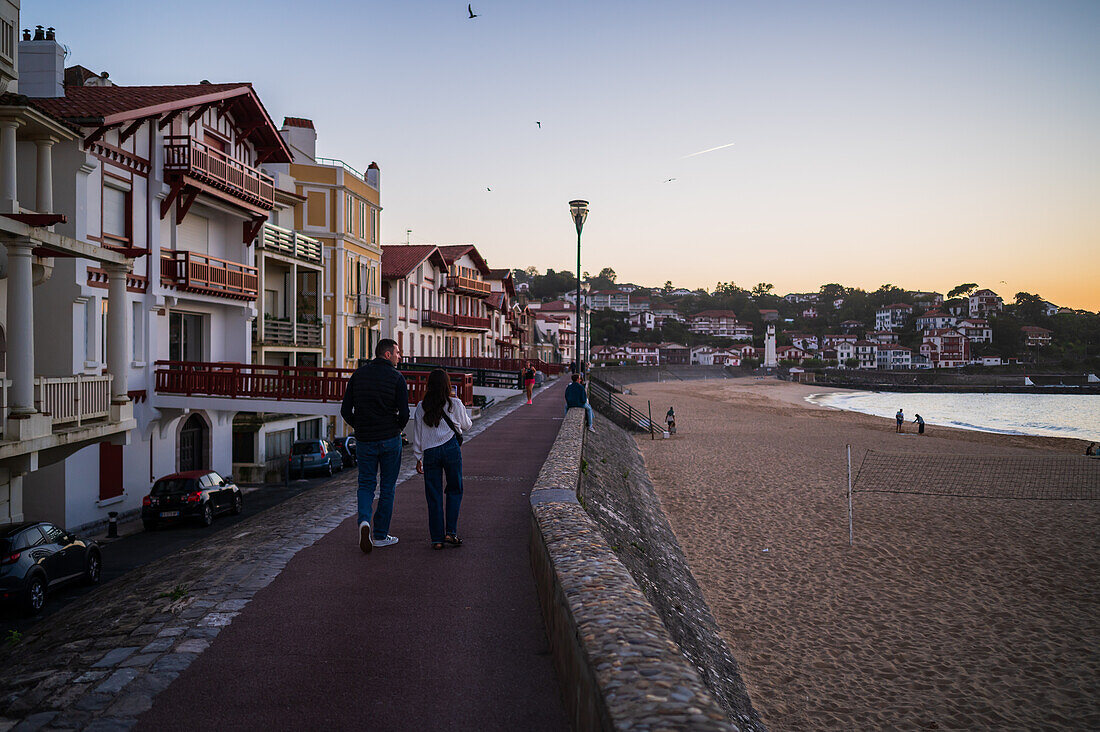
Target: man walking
(900, 417)
(376, 404)
(577, 396)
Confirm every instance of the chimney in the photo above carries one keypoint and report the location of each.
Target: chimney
(301, 137)
(373, 174)
(42, 65)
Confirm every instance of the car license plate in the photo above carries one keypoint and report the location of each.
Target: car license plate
(169, 514)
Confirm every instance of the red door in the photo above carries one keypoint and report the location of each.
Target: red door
(110, 470)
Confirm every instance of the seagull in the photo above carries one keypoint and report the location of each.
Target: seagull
(489, 189)
(539, 124)
(470, 10)
(670, 180)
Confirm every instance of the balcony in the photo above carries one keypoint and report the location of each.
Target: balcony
(370, 306)
(469, 286)
(436, 319)
(291, 243)
(194, 272)
(187, 156)
(73, 400)
(470, 322)
(285, 333)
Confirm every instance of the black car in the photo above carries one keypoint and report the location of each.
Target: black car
(196, 494)
(314, 455)
(346, 447)
(37, 556)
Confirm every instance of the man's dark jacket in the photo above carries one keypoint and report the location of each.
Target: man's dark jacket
(575, 395)
(376, 402)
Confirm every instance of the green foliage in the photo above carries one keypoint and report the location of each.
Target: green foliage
(962, 290)
(13, 637)
(176, 593)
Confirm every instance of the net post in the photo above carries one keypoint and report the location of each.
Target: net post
(850, 531)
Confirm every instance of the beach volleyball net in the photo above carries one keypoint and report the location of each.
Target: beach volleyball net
(1024, 477)
(1019, 477)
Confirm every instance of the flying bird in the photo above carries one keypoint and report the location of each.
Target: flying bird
(712, 149)
(470, 10)
(539, 124)
(670, 180)
(489, 189)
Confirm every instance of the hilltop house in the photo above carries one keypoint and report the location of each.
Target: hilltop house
(984, 302)
(936, 320)
(893, 316)
(945, 348)
(1035, 336)
(977, 330)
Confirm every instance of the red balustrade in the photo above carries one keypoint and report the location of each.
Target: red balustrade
(210, 275)
(496, 364)
(186, 155)
(300, 383)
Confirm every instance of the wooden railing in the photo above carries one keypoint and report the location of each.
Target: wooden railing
(299, 383)
(498, 364)
(278, 239)
(73, 399)
(469, 284)
(186, 155)
(471, 322)
(436, 319)
(196, 272)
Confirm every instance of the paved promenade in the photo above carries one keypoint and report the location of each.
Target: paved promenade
(402, 638)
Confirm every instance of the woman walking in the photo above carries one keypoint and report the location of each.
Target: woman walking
(529, 380)
(438, 422)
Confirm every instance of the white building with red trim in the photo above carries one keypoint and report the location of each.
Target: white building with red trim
(891, 356)
(1036, 336)
(936, 320)
(721, 324)
(976, 330)
(945, 348)
(894, 316)
(647, 354)
(984, 302)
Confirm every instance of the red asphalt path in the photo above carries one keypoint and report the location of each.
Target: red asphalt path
(405, 638)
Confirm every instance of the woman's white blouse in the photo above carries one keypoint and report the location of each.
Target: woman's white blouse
(425, 437)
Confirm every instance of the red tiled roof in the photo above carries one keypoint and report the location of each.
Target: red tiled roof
(717, 314)
(398, 260)
(95, 106)
(452, 252)
(9, 99)
(298, 122)
(495, 301)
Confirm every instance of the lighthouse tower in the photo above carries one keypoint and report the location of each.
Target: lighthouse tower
(769, 348)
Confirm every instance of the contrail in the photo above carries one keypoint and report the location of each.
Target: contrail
(707, 151)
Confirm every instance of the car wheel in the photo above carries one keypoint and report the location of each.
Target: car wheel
(238, 504)
(330, 470)
(149, 524)
(207, 516)
(35, 598)
(92, 569)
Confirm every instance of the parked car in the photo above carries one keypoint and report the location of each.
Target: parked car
(36, 556)
(346, 447)
(195, 494)
(315, 456)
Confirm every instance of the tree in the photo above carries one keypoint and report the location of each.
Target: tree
(1031, 309)
(668, 286)
(762, 288)
(962, 290)
(607, 274)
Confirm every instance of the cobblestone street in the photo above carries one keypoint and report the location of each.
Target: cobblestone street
(97, 663)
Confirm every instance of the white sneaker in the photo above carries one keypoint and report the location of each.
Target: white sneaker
(388, 541)
(365, 541)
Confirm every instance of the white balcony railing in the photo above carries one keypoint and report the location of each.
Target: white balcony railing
(73, 399)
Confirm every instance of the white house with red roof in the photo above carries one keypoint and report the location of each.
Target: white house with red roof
(711, 356)
(945, 348)
(462, 296)
(882, 336)
(830, 340)
(891, 356)
(721, 324)
(412, 278)
(647, 354)
(936, 320)
(1036, 336)
(790, 353)
(983, 302)
(805, 341)
(612, 299)
(644, 320)
(977, 330)
(168, 177)
(866, 352)
(893, 316)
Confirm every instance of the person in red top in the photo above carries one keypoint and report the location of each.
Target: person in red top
(529, 380)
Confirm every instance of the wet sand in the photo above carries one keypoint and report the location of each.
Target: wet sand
(947, 613)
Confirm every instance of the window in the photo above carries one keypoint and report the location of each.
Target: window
(137, 336)
(244, 447)
(277, 444)
(373, 225)
(30, 537)
(116, 214)
(309, 430)
(103, 328)
(351, 342)
(364, 352)
(362, 219)
(185, 337)
(349, 213)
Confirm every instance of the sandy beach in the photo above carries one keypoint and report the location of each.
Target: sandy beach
(947, 613)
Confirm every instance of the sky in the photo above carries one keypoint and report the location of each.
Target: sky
(920, 144)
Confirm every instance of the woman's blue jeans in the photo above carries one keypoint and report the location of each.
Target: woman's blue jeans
(445, 460)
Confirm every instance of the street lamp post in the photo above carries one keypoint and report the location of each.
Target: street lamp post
(579, 211)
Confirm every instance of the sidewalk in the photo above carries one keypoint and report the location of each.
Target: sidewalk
(402, 638)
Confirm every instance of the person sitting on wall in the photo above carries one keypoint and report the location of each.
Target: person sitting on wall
(577, 396)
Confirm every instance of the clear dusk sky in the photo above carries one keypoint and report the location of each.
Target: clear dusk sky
(922, 144)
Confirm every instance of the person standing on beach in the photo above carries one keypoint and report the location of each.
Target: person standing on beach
(529, 380)
(438, 423)
(920, 424)
(376, 404)
(670, 420)
(900, 417)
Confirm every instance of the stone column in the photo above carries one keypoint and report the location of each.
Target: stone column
(44, 197)
(9, 182)
(20, 325)
(118, 331)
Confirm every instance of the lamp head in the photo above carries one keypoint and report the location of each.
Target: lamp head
(579, 210)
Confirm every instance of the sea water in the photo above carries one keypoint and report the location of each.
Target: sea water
(1049, 415)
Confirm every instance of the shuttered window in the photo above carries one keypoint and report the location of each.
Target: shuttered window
(193, 234)
(116, 213)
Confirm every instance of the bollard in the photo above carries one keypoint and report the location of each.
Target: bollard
(112, 525)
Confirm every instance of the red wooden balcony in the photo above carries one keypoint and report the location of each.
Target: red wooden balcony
(280, 383)
(436, 319)
(194, 272)
(470, 322)
(496, 364)
(185, 155)
(468, 285)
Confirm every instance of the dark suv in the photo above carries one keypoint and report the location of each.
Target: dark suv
(195, 494)
(37, 556)
(314, 456)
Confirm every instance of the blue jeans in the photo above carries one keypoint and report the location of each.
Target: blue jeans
(589, 414)
(439, 461)
(384, 455)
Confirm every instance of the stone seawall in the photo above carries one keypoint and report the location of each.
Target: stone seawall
(616, 490)
(618, 665)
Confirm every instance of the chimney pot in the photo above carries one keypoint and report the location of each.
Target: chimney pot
(26, 34)
(39, 34)
(50, 35)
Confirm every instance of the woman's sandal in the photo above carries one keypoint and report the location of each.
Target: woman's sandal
(437, 545)
(453, 540)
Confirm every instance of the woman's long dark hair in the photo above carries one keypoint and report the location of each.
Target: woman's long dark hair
(437, 397)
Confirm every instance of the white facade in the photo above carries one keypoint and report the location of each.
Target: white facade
(894, 357)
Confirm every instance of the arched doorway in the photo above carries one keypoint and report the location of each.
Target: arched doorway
(193, 439)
